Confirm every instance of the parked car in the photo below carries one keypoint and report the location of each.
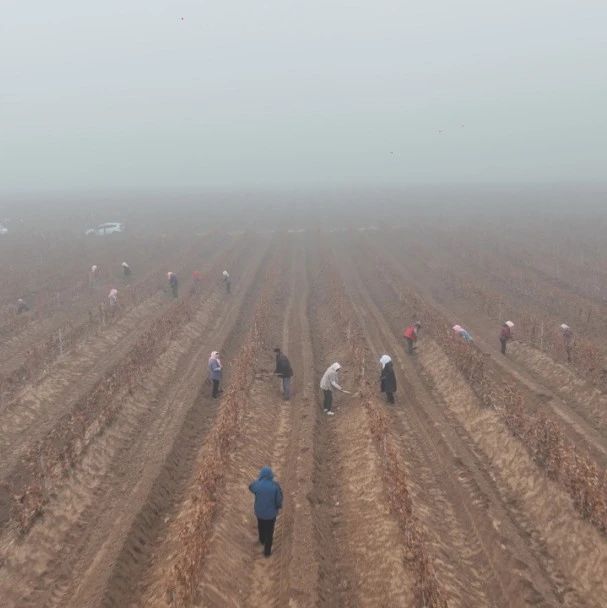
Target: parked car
(107, 228)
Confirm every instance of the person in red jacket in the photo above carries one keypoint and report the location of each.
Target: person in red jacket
(410, 335)
(506, 334)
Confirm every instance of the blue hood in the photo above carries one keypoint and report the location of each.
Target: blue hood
(266, 473)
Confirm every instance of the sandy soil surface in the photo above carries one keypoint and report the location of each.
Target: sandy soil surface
(123, 483)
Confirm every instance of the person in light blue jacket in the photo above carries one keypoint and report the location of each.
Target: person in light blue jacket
(215, 373)
(268, 502)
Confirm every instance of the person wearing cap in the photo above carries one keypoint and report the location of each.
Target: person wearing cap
(410, 335)
(227, 280)
(173, 283)
(568, 340)
(284, 372)
(505, 335)
(268, 502)
(387, 378)
(328, 382)
(126, 270)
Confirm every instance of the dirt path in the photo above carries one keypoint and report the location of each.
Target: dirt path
(113, 484)
(512, 491)
(577, 418)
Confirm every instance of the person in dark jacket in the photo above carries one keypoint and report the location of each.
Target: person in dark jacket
(506, 335)
(268, 502)
(284, 372)
(22, 306)
(173, 283)
(387, 378)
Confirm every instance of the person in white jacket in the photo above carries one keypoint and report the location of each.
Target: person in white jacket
(328, 382)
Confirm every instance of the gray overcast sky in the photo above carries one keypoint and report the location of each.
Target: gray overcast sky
(126, 94)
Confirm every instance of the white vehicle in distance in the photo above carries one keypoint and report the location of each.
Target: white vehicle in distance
(3, 229)
(107, 228)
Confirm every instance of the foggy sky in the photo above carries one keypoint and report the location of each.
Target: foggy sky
(241, 93)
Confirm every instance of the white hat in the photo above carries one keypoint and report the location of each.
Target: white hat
(510, 324)
(564, 326)
(225, 273)
(124, 264)
(457, 328)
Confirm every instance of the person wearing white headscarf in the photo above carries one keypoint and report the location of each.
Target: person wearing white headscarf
(463, 333)
(506, 335)
(215, 369)
(387, 378)
(568, 340)
(113, 297)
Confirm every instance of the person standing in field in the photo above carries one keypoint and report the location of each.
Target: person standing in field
(126, 270)
(506, 335)
(22, 306)
(387, 379)
(215, 369)
(227, 280)
(173, 283)
(328, 382)
(284, 372)
(568, 340)
(410, 334)
(93, 275)
(268, 502)
(113, 298)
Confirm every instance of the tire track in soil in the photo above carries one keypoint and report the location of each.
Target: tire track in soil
(68, 554)
(359, 556)
(515, 574)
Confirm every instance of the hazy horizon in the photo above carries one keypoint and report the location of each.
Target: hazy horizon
(190, 97)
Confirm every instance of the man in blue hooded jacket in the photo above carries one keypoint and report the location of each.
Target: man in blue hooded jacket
(268, 501)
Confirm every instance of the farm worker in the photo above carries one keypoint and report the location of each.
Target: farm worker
(215, 368)
(460, 331)
(506, 334)
(93, 274)
(328, 382)
(173, 283)
(22, 306)
(227, 280)
(126, 269)
(568, 340)
(284, 372)
(268, 502)
(387, 379)
(113, 298)
(410, 335)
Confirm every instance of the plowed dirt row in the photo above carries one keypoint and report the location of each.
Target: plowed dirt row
(525, 506)
(93, 509)
(146, 502)
(574, 405)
